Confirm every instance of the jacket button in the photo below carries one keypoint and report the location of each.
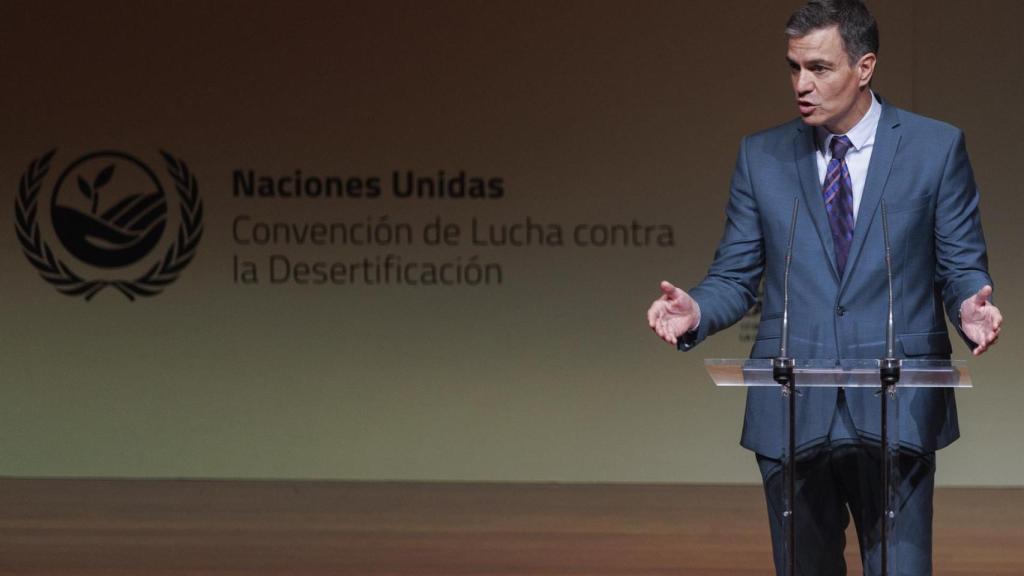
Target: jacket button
(840, 310)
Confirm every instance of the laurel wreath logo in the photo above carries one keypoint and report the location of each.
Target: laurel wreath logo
(64, 279)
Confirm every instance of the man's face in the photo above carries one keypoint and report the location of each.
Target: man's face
(829, 91)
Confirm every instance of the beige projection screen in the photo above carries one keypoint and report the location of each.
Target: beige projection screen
(416, 240)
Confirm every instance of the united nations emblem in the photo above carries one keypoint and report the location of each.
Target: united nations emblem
(108, 213)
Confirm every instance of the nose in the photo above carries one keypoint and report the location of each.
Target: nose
(803, 82)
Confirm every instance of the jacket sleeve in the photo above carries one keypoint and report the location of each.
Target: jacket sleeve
(730, 287)
(961, 267)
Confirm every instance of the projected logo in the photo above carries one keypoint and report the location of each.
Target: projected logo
(107, 219)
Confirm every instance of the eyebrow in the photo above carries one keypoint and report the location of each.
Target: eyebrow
(809, 63)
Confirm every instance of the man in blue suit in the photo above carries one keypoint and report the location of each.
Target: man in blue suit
(847, 154)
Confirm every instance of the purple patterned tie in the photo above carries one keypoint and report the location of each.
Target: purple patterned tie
(838, 194)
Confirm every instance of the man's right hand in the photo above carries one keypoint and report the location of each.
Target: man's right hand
(674, 314)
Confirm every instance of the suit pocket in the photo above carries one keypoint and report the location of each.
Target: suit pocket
(769, 332)
(907, 204)
(765, 347)
(770, 326)
(926, 344)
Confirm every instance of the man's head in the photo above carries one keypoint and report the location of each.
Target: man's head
(832, 51)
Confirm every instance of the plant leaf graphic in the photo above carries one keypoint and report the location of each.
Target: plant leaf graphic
(103, 177)
(84, 187)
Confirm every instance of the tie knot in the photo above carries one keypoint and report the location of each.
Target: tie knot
(840, 145)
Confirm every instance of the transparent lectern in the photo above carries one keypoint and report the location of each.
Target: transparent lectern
(877, 374)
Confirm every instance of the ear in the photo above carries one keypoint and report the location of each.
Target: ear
(866, 68)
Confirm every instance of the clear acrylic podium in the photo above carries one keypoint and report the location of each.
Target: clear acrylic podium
(850, 374)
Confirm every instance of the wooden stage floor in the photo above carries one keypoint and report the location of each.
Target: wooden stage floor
(158, 527)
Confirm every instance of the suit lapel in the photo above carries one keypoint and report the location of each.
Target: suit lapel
(887, 141)
(807, 167)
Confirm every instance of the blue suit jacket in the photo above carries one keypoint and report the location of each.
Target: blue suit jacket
(920, 168)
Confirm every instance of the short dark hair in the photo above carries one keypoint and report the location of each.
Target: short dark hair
(857, 27)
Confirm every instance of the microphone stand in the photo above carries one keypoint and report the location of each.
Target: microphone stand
(889, 374)
(782, 373)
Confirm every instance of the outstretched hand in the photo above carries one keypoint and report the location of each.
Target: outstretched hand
(674, 314)
(980, 320)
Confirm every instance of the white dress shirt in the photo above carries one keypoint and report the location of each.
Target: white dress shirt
(858, 157)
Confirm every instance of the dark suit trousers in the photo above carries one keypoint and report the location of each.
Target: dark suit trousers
(843, 479)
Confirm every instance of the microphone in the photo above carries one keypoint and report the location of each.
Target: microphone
(782, 366)
(889, 374)
(890, 365)
(783, 373)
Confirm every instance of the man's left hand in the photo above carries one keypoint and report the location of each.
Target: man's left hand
(980, 320)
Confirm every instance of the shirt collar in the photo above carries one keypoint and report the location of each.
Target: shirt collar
(862, 134)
